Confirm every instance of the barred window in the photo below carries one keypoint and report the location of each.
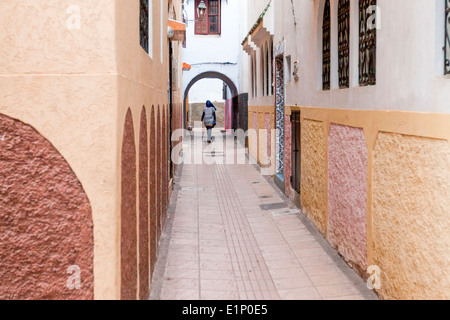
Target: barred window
(447, 37)
(144, 25)
(367, 42)
(344, 43)
(326, 48)
(211, 22)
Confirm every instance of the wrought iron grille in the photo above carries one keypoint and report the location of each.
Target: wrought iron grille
(447, 37)
(367, 42)
(344, 43)
(326, 53)
(144, 30)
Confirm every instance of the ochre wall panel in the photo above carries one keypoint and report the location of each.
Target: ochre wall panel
(314, 173)
(411, 201)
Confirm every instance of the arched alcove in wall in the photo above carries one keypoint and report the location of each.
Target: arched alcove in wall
(144, 289)
(128, 246)
(46, 227)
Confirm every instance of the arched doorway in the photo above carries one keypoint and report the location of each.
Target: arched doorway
(227, 81)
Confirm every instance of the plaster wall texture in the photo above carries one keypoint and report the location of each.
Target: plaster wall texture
(128, 230)
(347, 194)
(144, 217)
(38, 37)
(46, 227)
(314, 173)
(75, 87)
(415, 84)
(411, 197)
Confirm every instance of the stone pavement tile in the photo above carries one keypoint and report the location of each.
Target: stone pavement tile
(293, 283)
(330, 279)
(173, 283)
(213, 236)
(184, 235)
(353, 297)
(282, 264)
(178, 273)
(287, 273)
(310, 252)
(179, 294)
(190, 242)
(301, 245)
(219, 295)
(293, 226)
(218, 285)
(337, 290)
(279, 255)
(182, 256)
(321, 269)
(182, 264)
(274, 248)
(299, 238)
(211, 257)
(316, 260)
(213, 243)
(184, 229)
(307, 293)
(214, 250)
(183, 248)
(216, 266)
(217, 275)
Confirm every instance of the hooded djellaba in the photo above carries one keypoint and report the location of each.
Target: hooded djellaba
(209, 118)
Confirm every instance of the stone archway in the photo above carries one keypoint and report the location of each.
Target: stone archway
(213, 75)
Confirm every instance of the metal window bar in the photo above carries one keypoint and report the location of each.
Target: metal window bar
(144, 29)
(367, 44)
(213, 16)
(344, 43)
(447, 38)
(326, 53)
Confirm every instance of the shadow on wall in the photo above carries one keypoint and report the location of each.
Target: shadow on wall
(46, 228)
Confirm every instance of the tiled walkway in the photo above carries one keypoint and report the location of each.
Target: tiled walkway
(232, 235)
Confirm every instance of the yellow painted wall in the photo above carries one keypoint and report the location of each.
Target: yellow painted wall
(74, 87)
(408, 197)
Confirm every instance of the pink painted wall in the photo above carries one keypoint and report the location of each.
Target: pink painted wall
(347, 193)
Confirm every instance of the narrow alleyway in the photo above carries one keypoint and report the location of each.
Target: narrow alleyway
(232, 235)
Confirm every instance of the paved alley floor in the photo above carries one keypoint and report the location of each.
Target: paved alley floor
(232, 235)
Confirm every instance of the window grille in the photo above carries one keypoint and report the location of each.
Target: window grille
(344, 43)
(326, 53)
(447, 37)
(367, 42)
(144, 30)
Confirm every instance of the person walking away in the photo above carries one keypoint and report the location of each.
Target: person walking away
(209, 118)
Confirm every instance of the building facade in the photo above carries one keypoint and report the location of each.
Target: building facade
(85, 120)
(359, 91)
(212, 51)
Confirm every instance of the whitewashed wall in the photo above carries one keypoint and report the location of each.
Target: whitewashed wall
(409, 57)
(219, 53)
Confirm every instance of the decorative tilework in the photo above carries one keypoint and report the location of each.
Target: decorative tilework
(280, 115)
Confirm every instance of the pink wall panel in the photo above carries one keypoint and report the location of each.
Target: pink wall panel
(347, 193)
